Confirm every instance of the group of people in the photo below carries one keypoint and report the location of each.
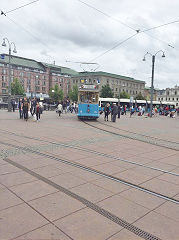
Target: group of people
(66, 107)
(114, 110)
(29, 107)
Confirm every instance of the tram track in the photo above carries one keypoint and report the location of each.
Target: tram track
(65, 145)
(139, 137)
(94, 171)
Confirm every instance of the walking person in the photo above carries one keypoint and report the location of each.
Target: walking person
(119, 110)
(59, 109)
(106, 112)
(13, 105)
(114, 112)
(25, 108)
(38, 111)
(20, 105)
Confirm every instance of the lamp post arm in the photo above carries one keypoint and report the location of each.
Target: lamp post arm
(159, 51)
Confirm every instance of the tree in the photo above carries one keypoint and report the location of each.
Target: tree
(56, 93)
(124, 95)
(106, 91)
(140, 97)
(17, 88)
(73, 94)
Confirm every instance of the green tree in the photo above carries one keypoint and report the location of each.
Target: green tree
(140, 97)
(124, 95)
(73, 94)
(106, 91)
(56, 93)
(17, 88)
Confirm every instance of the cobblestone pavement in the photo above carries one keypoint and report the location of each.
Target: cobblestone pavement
(43, 197)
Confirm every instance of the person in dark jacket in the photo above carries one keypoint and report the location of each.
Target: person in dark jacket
(25, 108)
(119, 110)
(114, 112)
(106, 112)
(20, 105)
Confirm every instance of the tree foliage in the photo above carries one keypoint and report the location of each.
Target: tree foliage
(73, 94)
(56, 93)
(106, 91)
(17, 88)
(140, 97)
(124, 95)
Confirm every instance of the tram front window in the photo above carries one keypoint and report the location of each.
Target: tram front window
(88, 97)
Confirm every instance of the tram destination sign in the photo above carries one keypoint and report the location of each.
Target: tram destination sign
(88, 86)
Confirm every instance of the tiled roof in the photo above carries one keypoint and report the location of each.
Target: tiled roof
(22, 62)
(106, 74)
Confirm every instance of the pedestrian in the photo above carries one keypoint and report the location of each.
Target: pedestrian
(119, 110)
(114, 112)
(25, 108)
(59, 109)
(20, 105)
(131, 111)
(38, 111)
(13, 105)
(111, 110)
(106, 111)
(125, 109)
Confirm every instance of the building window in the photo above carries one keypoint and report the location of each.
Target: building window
(3, 84)
(116, 89)
(175, 92)
(44, 83)
(136, 92)
(76, 81)
(3, 78)
(167, 93)
(176, 104)
(28, 81)
(162, 98)
(43, 89)
(169, 99)
(166, 98)
(89, 80)
(107, 81)
(173, 99)
(4, 71)
(159, 99)
(29, 88)
(73, 81)
(3, 90)
(37, 88)
(177, 99)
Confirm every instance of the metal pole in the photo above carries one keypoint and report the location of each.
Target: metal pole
(152, 85)
(9, 83)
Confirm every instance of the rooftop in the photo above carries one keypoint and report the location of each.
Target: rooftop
(100, 73)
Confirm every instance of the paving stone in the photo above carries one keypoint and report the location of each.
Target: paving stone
(8, 168)
(18, 220)
(14, 179)
(32, 190)
(91, 192)
(57, 205)
(123, 208)
(125, 235)
(87, 224)
(170, 210)
(142, 198)
(163, 187)
(159, 225)
(46, 232)
(8, 199)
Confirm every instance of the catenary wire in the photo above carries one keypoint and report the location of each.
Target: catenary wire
(4, 13)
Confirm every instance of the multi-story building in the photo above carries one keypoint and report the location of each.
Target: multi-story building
(116, 82)
(169, 95)
(147, 93)
(36, 77)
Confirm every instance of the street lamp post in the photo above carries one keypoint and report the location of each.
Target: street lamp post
(152, 80)
(9, 69)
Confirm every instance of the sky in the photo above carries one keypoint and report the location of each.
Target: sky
(73, 31)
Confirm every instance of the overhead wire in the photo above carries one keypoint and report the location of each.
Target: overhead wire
(4, 13)
(138, 31)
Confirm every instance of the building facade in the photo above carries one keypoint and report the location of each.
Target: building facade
(169, 95)
(36, 77)
(116, 82)
(147, 93)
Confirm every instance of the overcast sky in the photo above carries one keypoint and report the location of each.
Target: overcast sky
(61, 30)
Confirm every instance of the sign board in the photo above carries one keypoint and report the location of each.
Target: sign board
(88, 86)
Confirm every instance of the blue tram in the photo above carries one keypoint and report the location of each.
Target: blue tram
(88, 98)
